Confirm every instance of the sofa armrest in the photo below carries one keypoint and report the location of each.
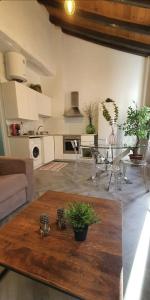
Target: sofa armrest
(9, 165)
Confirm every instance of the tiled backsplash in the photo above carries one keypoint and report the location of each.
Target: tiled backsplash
(27, 125)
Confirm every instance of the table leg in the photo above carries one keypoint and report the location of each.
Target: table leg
(125, 178)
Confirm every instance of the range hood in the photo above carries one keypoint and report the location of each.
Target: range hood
(74, 111)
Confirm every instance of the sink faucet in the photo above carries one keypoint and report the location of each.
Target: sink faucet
(37, 131)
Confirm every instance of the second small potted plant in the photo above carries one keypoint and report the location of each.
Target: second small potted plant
(80, 215)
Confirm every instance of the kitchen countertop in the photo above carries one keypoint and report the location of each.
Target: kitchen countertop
(49, 134)
(30, 136)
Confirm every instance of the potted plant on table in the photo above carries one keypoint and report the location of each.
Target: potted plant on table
(137, 124)
(80, 215)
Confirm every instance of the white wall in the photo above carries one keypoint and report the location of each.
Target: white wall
(146, 98)
(27, 24)
(96, 72)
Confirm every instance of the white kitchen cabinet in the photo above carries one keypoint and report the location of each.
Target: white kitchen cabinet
(47, 148)
(44, 105)
(87, 139)
(58, 142)
(20, 102)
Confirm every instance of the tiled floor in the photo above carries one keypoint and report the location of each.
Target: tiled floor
(134, 206)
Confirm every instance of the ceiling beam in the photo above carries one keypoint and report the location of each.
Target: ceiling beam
(113, 23)
(107, 8)
(106, 20)
(99, 27)
(103, 39)
(142, 3)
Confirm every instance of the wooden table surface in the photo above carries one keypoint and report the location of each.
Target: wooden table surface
(89, 270)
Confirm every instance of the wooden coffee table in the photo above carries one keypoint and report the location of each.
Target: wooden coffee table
(88, 270)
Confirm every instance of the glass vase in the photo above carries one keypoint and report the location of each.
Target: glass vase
(112, 139)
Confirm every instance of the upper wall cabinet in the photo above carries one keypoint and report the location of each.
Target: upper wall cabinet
(19, 101)
(22, 102)
(44, 105)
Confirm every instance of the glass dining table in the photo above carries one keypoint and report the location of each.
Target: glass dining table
(108, 158)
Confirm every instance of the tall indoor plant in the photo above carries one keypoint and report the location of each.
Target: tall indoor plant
(137, 124)
(80, 215)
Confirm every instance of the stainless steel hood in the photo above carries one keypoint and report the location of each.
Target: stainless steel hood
(74, 110)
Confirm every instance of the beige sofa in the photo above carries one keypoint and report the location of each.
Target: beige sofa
(16, 184)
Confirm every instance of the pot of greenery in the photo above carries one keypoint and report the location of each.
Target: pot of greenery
(137, 124)
(80, 215)
(91, 111)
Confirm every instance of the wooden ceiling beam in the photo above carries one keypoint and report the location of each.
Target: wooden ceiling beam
(133, 27)
(119, 24)
(117, 10)
(143, 3)
(102, 38)
(99, 27)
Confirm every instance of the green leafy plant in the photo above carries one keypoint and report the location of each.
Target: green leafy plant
(91, 112)
(80, 214)
(137, 123)
(106, 113)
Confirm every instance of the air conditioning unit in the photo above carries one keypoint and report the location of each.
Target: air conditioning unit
(15, 64)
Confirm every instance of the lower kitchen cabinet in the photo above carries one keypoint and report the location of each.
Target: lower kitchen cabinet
(47, 148)
(58, 146)
(88, 139)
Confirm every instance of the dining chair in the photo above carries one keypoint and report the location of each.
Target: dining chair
(83, 155)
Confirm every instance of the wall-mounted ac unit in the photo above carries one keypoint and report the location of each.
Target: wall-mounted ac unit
(15, 64)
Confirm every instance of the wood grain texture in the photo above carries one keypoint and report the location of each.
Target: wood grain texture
(89, 270)
(125, 23)
(96, 26)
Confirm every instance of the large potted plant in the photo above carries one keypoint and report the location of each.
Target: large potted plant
(137, 124)
(80, 215)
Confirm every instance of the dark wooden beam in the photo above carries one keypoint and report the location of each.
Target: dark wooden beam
(103, 39)
(98, 27)
(139, 3)
(97, 18)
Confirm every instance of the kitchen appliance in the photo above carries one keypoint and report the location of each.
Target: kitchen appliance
(35, 151)
(15, 64)
(74, 111)
(15, 129)
(67, 143)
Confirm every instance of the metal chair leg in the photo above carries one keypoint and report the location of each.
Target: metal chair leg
(109, 181)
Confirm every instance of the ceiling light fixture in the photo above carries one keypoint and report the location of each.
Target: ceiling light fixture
(69, 6)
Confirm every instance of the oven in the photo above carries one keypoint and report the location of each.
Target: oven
(67, 145)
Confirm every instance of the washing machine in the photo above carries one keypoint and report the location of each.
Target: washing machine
(35, 151)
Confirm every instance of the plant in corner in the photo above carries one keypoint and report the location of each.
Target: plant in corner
(137, 124)
(80, 215)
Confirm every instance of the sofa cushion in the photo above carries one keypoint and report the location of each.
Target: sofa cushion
(11, 184)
